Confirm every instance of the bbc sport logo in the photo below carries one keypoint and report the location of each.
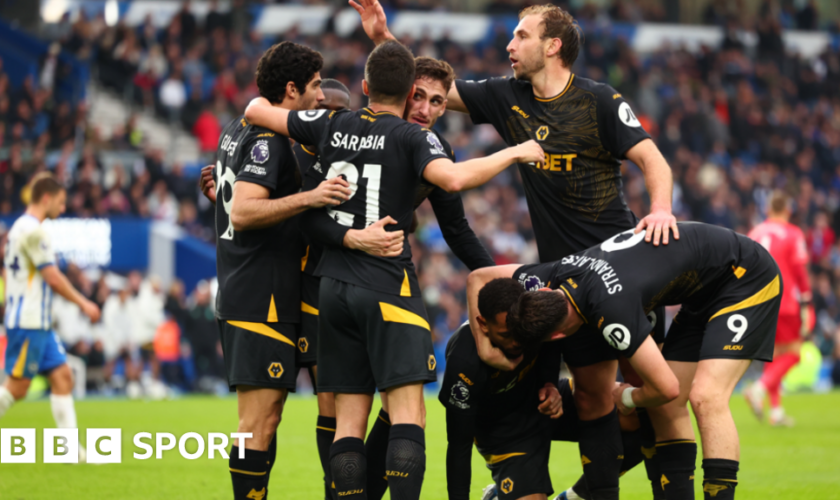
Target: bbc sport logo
(104, 446)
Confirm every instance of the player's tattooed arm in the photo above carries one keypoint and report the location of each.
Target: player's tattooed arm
(660, 384)
(455, 177)
(374, 21)
(660, 185)
(488, 353)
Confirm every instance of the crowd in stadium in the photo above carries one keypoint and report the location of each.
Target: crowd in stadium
(733, 125)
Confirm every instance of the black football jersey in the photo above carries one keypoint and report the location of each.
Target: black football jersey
(472, 387)
(615, 285)
(259, 269)
(383, 158)
(575, 197)
(306, 157)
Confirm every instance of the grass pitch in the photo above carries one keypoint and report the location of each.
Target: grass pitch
(801, 462)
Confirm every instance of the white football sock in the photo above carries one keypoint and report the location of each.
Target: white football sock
(63, 411)
(6, 400)
(777, 413)
(571, 495)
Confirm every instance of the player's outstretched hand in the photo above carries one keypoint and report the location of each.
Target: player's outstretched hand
(90, 310)
(656, 226)
(207, 184)
(374, 21)
(552, 402)
(375, 240)
(619, 389)
(331, 192)
(529, 152)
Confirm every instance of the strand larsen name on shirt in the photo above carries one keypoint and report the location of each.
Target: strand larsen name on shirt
(599, 266)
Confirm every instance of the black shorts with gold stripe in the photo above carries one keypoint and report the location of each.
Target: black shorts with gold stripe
(259, 354)
(307, 342)
(369, 339)
(740, 323)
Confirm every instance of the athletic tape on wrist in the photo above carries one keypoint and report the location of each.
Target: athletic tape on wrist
(627, 397)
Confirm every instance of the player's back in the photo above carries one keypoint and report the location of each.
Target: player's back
(382, 157)
(258, 269)
(786, 244)
(686, 269)
(28, 296)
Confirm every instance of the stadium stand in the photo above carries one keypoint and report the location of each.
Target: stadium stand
(745, 103)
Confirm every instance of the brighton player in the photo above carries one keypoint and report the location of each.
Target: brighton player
(31, 277)
(786, 244)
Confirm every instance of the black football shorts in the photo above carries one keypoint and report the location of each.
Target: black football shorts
(369, 339)
(739, 324)
(307, 342)
(259, 354)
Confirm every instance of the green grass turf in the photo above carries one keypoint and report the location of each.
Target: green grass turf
(802, 462)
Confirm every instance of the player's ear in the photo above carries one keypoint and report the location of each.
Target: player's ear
(291, 91)
(554, 47)
(482, 323)
(365, 88)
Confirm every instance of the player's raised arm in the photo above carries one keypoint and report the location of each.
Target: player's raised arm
(454, 101)
(260, 112)
(469, 174)
(660, 383)
(488, 353)
(374, 21)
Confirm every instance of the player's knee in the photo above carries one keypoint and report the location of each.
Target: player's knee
(18, 390)
(705, 401)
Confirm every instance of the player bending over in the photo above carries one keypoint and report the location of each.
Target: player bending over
(372, 324)
(513, 416)
(31, 277)
(730, 290)
(786, 244)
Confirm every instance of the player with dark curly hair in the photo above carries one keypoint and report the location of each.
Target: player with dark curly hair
(258, 241)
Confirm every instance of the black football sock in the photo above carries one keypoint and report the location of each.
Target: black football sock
(648, 437)
(632, 457)
(581, 489)
(405, 462)
(249, 475)
(677, 460)
(631, 442)
(600, 448)
(348, 464)
(720, 477)
(376, 448)
(324, 436)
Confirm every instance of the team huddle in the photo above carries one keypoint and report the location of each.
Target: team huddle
(313, 205)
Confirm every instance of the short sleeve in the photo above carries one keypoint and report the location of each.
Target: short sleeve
(425, 148)
(39, 248)
(483, 99)
(265, 156)
(459, 391)
(620, 128)
(532, 277)
(310, 126)
(624, 326)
